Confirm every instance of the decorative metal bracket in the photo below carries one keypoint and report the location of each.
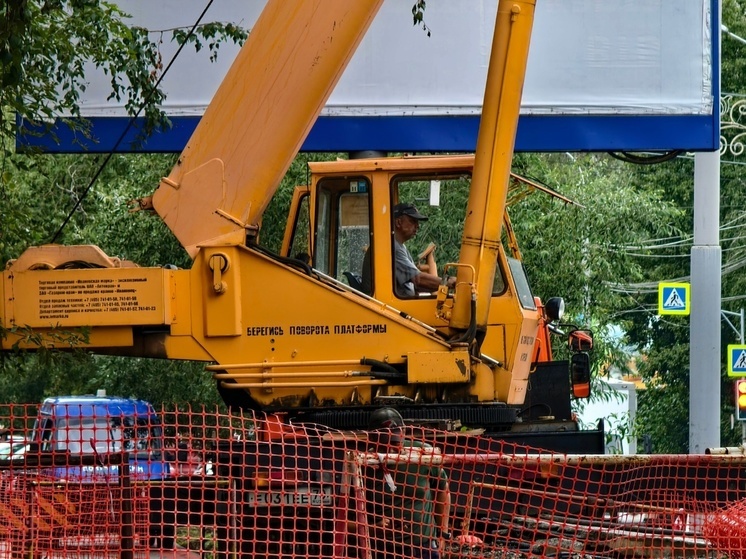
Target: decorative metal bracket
(732, 125)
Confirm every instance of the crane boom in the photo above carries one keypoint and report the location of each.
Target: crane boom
(259, 117)
(493, 158)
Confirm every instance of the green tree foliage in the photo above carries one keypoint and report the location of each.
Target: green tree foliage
(44, 194)
(733, 59)
(45, 48)
(663, 341)
(664, 406)
(587, 248)
(42, 190)
(593, 252)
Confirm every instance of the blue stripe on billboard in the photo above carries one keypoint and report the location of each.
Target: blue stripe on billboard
(423, 134)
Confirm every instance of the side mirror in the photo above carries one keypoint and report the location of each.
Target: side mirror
(580, 340)
(555, 308)
(580, 375)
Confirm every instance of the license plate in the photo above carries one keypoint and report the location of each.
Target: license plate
(290, 499)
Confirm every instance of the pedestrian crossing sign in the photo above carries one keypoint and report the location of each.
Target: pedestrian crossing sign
(674, 298)
(736, 360)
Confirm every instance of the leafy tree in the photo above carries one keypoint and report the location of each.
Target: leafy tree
(45, 47)
(44, 194)
(664, 406)
(630, 301)
(733, 59)
(584, 248)
(593, 252)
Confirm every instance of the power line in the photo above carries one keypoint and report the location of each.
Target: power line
(129, 126)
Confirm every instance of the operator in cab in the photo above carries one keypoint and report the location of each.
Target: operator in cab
(409, 277)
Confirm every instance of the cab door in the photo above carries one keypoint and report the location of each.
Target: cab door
(330, 229)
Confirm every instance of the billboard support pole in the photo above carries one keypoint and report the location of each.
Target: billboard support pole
(704, 325)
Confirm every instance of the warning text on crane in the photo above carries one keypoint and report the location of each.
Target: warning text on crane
(98, 297)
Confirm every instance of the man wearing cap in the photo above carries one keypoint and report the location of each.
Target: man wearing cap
(411, 505)
(409, 279)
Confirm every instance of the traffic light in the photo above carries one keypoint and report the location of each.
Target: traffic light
(741, 399)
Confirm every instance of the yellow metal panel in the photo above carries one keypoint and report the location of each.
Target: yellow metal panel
(89, 297)
(484, 382)
(509, 389)
(289, 326)
(180, 294)
(525, 346)
(185, 347)
(441, 163)
(494, 344)
(517, 392)
(259, 117)
(438, 367)
(114, 336)
(513, 345)
(48, 257)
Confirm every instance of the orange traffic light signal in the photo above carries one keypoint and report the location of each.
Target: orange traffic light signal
(741, 399)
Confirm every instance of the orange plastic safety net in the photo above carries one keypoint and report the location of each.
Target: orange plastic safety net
(123, 481)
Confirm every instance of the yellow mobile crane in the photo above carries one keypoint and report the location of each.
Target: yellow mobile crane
(280, 334)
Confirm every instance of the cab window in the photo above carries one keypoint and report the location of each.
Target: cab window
(43, 432)
(443, 199)
(90, 435)
(343, 229)
(324, 213)
(354, 237)
(299, 244)
(525, 296)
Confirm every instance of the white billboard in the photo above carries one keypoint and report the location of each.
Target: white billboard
(602, 75)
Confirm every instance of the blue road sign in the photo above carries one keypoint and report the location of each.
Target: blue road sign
(736, 360)
(674, 298)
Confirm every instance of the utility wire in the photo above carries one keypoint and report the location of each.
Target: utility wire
(129, 126)
(637, 159)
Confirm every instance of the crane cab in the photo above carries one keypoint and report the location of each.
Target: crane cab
(343, 221)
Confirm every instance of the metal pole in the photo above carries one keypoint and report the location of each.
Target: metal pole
(732, 35)
(704, 324)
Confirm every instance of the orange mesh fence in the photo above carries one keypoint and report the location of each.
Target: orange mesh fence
(250, 486)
